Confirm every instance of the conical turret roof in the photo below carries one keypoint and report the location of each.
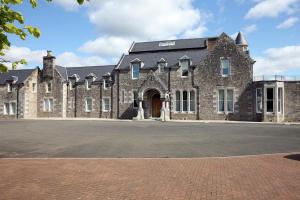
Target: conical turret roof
(241, 40)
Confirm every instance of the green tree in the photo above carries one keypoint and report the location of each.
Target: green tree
(12, 22)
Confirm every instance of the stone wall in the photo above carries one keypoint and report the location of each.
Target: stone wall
(209, 79)
(292, 101)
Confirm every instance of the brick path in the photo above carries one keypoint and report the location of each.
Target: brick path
(267, 177)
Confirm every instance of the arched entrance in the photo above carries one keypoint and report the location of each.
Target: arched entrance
(152, 103)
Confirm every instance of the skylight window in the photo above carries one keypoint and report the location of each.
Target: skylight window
(167, 44)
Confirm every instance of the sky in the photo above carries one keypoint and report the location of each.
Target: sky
(100, 31)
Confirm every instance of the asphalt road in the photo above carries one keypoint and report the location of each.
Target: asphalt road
(97, 139)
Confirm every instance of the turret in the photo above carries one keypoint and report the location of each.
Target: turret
(242, 42)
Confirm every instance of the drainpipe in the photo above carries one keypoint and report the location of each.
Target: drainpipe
(18, 91)
(111, 100)
(197, 88)
(75, 99)
(100, 89)
(118, 94)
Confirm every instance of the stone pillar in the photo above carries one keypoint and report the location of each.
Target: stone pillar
(167, 113)
(163, 111)
(140, 115)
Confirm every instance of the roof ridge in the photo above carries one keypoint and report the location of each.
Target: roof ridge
(174, 40)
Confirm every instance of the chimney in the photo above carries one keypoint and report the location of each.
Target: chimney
(48, 64)
(210, 43)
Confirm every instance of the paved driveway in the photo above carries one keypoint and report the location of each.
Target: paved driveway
(86, 139)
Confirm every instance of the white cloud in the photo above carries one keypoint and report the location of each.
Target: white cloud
(69, 5)
(250, 29)
(271, 8)
(36, 57)
(107, 46)
(288, 23)
(278, 61)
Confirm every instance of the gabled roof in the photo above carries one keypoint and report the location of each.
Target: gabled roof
(181, 44)
(150, 60)
(19, 75)
(83, 72)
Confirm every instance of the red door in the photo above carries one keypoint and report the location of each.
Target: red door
(156, 105)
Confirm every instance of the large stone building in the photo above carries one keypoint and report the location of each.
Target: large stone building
(187, 79)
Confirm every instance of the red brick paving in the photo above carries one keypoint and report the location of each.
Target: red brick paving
(267, 177)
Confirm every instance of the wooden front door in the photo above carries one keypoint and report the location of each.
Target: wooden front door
(156, 106)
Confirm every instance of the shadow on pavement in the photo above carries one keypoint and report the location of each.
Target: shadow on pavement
(293, 157)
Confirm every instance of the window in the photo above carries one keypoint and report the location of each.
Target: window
(9, 87)
(135, 68)
(184, 67)
(184, 101)
(106, 105)
(70, 85)
(258, 100)
(221, 101)
(33, 87)
(88, 104)
(48, 87)
(225, 67)
(48, 105)
(229, 100)
(123, 97)
(280, 100)
(135, 99)
(106, 84)
(6, 109)
(162, 66)
(178, 104)
(270, 99)
(192, 101)
(88, 84)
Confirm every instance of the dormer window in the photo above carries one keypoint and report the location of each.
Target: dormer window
(88, 83)
(9, 87)
(162, 64)
(135, 70)
(106, 84)
(185, 64)
(225, 67)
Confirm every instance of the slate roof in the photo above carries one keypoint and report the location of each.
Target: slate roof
(181, 44)
(240, 39)
(83, 72)
(172, 58)
(21, 74)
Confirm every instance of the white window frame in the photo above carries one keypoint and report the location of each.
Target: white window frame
(162, 65)
(88, 85)
(261, 100)
(222, 67)
(139, 67)
(273, 88)
(176, 101)
(9, 87)
(103, 104)
(225, 101)
(49, 107)
(104, 84)
(280, 100)
(188, 66)
(10, 108)
(190, 100)
(47, 87)
(6, 109)
(86, 104)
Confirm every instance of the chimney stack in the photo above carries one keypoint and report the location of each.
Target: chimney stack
(48, 64)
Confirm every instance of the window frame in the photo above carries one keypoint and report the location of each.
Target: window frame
(225, 100)
(160, 68)
(221, 111)
(9, 87)
(178, 101)
(88, 83)
(222, 66)
(6, 108)
(192, 100)
(103, 104)
(105, 82)
(187, 70)
(261, 100)
(133, 99)
(47, 87)
(50, 106)
(87, 106)
(138, 66)
(279, 100)
(269, 100)
(34, 87)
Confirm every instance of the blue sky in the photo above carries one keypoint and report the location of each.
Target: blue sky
(100, 31)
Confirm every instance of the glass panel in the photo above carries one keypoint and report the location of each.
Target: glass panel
(270, 100)
(135, 99)
(177, 101)
(230, 100)
(184, 67)
(225, 66)
(89, 103)
(50, 104)
(221, 101)
(135, 70)
(6, 108)
(49, 87)
(185, 101)
(162, 66)
(192, 101)
(259, 100)
(12, 108)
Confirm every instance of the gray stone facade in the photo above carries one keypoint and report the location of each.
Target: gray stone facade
(190, 79)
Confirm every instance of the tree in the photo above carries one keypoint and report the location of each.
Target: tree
(12, 22)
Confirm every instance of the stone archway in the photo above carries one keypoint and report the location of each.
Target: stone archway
(152, 103)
